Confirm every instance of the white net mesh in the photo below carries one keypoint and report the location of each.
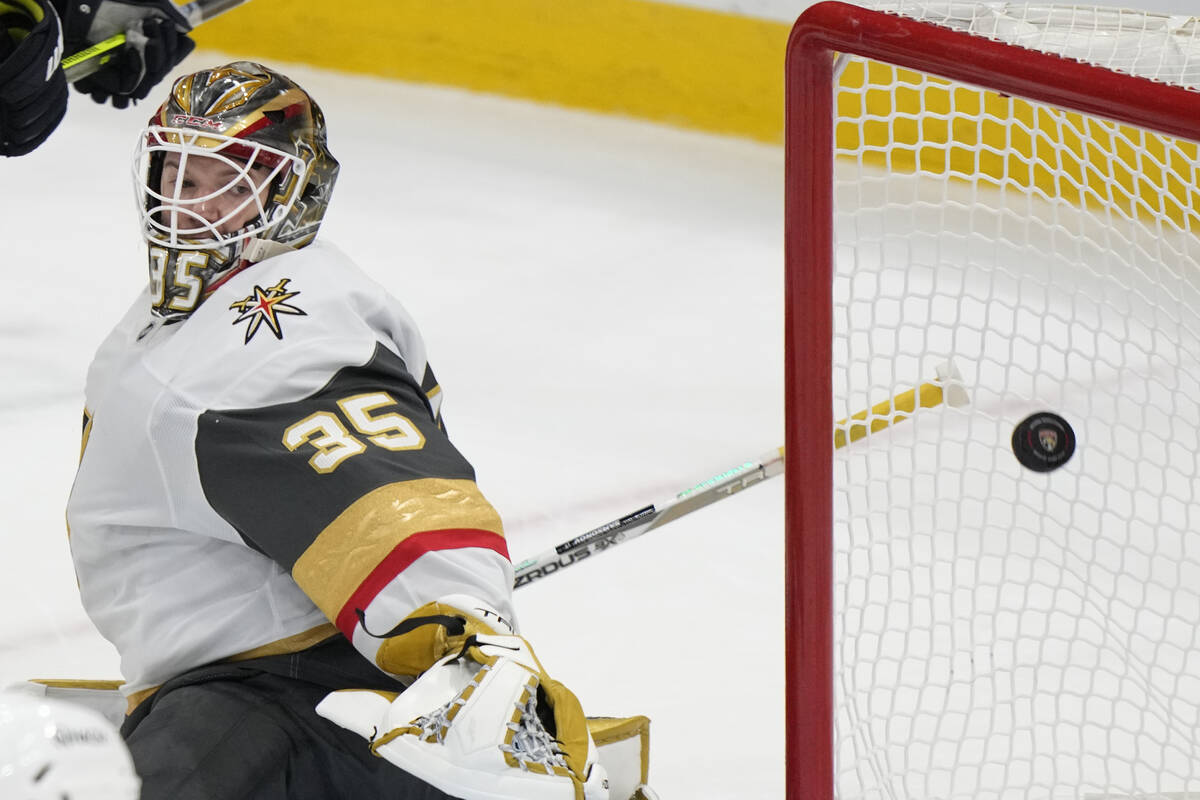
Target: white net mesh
(1160, 47)
(1003, 632)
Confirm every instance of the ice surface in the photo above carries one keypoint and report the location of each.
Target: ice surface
(602, 299)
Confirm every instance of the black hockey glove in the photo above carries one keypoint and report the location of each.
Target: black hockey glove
(156, 40)
(33, 90)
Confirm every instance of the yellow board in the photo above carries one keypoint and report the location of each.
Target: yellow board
(1086, 162)
(699, 69)
(683, 66)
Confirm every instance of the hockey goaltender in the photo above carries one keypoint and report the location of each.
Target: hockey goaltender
(310, 596)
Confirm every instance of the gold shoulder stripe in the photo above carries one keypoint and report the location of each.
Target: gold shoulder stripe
(361, 537)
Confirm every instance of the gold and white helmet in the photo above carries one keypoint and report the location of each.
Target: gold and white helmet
(233, 168)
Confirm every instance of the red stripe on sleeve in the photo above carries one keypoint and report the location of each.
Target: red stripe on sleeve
(406, 553)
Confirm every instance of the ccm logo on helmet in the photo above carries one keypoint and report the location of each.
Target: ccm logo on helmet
(195, 122)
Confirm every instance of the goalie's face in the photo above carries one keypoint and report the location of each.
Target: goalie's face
(203, 191)
(212, 197)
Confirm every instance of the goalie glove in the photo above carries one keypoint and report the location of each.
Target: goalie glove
(483, 721)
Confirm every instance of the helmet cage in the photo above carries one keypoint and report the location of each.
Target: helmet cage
(258, 145)
(172, 220)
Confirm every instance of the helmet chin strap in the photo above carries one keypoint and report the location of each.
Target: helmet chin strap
(261, 249)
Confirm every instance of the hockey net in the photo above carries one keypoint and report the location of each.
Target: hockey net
(993, 204)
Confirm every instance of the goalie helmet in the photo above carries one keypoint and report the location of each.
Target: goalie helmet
(233, 168)
(56, 750)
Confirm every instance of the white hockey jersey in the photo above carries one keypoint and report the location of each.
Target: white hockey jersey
(273, 464)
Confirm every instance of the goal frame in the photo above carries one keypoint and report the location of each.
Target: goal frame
(821, 31)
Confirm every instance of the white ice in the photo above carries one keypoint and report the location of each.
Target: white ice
(602, 299)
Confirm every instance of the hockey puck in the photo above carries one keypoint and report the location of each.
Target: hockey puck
(1043, 442)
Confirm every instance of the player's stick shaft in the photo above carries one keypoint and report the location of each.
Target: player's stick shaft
(946, 389)
(85, 62)
(888, 413)
(635, 523)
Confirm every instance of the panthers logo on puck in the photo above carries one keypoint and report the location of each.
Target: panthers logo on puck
(1043, 441)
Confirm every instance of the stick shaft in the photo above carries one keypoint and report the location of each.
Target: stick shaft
(85, 62)
(636, 523)
(644, 519)
(199, 11)
(887, 413)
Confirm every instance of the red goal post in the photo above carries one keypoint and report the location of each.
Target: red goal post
(822, 32)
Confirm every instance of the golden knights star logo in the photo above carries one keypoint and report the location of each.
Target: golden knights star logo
(265, 305)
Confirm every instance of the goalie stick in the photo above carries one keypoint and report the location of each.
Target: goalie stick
(85, 62)
(947, 388)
